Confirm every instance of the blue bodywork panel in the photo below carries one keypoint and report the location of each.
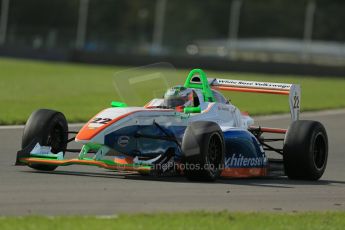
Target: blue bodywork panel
(133, 140)
(243, 150)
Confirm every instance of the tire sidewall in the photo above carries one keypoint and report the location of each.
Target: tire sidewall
(205, 155)
(312, 164)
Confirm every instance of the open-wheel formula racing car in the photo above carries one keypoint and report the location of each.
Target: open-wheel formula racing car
(193, 131)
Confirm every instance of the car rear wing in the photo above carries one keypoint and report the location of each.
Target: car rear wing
(292, 90)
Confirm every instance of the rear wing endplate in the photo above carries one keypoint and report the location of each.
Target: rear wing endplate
(292, 90)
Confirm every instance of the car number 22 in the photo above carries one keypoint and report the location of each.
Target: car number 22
(99, 120)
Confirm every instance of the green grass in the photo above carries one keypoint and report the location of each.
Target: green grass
(80, 90)
(191, 220)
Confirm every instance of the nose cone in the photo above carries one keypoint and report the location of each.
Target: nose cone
(103, 120)
(87, 132)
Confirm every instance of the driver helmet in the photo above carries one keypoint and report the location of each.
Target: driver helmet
(178, 97)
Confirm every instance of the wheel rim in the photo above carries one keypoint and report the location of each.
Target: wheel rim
(319, 151)
(214, 153)
(56, 138)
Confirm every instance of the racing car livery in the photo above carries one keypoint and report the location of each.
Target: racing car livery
(192, 131)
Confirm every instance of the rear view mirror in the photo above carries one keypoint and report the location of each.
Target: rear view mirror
(118, 104)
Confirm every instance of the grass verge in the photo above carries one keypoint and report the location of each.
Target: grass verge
(190, 220)
(80, 91)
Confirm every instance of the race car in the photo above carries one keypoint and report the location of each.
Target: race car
(192, 131)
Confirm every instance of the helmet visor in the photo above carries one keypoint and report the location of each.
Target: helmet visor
(173, 102)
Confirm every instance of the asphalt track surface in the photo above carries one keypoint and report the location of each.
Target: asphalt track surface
(76, 190)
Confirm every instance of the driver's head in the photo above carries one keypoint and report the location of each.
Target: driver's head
(178, 96)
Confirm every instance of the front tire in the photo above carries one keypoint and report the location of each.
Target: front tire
(305, 150)
(203, 148)
(48, 128)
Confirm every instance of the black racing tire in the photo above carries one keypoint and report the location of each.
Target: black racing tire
(48, 128)
(305, 150)
(203, 151)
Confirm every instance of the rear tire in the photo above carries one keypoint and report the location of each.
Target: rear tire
(305, 150)
(49, 128)
(203, 148)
